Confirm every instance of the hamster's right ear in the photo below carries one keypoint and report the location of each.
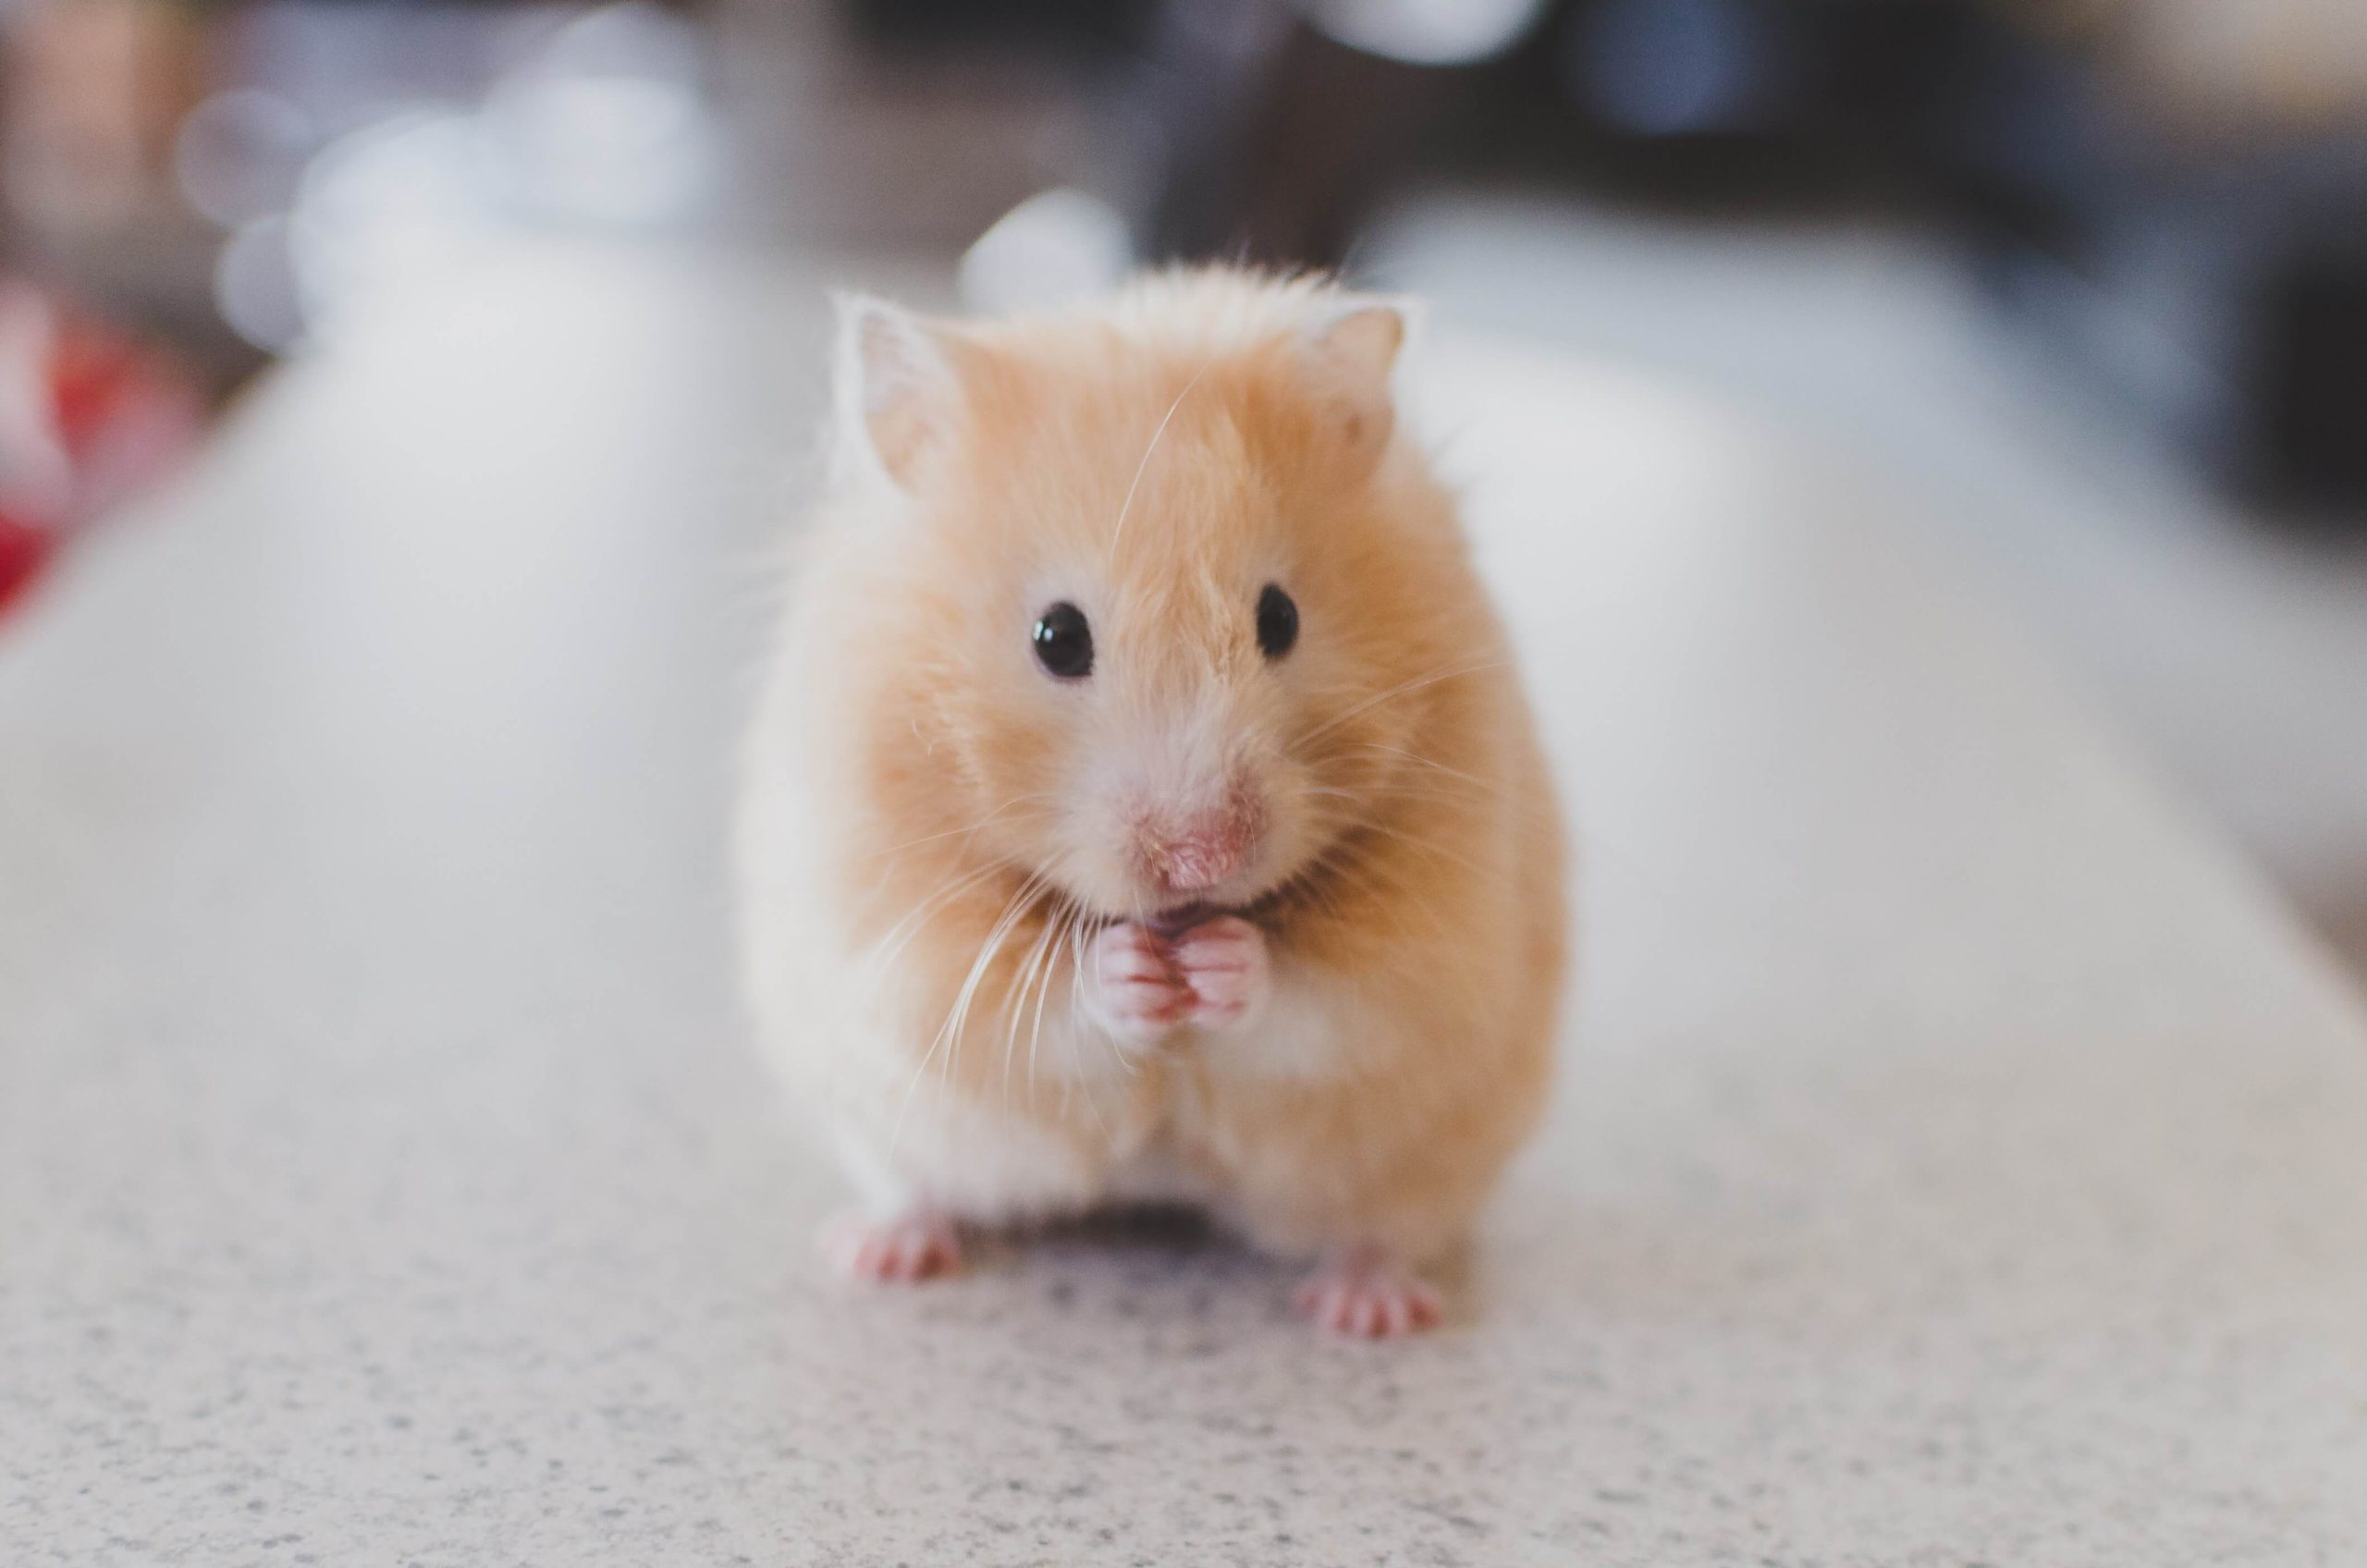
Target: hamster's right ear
(897, 392)
(1353, 344)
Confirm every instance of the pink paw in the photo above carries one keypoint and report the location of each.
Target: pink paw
(1136, 987)
(1367, 1296)
(1223, 962)
(905, 1249)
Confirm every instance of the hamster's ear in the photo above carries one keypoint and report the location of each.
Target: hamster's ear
(897, 391)
(1354, 343)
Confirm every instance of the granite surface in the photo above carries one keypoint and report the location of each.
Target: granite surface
(1959, 1159)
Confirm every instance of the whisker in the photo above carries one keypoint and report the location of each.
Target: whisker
(959, 1020)
(1066, 917)
(1119, 529)
(1398, 690)
(1076, 998)
(988, 820)
(946, 1035)
(1016, 1003)
(892, 946)
(1499, 790)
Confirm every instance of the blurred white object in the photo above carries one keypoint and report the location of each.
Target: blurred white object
(619, 149)
(240, 155)
(255, 286)
(609, 124)
(384, 209)
(1428, 32)
(605, 124)
(1051, 247)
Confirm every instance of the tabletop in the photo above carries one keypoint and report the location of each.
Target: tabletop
(1958, 1155)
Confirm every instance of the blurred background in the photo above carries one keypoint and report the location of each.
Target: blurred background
(2085, 279)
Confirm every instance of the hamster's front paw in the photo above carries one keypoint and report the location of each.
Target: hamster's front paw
(1134, 987)
(1223, 963)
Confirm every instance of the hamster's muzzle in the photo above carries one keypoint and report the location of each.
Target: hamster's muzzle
(1182, 855)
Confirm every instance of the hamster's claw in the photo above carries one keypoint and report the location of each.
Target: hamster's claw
(1366, 1295)
(901, 1249)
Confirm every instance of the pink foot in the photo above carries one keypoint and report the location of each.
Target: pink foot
(1133, 985)
(1367, 1296)
(1223, 963)
(905, 1249)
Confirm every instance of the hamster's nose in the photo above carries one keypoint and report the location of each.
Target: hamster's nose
(1196, 861)
(1194, 853)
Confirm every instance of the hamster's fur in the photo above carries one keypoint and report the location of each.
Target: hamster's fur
(1278, 932)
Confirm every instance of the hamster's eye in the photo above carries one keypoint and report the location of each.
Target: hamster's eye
(1063, 642)
(1277, 622)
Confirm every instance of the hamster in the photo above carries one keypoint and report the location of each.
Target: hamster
(1141, 802)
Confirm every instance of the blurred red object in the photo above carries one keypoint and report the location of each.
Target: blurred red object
(86, 416)
(22, 550)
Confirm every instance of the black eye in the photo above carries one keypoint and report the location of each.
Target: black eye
(1277, 622)
(1063, 642)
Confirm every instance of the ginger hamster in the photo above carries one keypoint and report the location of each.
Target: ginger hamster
(1141, 801)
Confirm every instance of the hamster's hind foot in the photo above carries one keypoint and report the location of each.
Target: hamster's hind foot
(901, 1249)
(1366, 1294)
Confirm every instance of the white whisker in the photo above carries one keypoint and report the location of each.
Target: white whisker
(1398, 690)
(1119, 529)
(988, 820)
(948, 1035)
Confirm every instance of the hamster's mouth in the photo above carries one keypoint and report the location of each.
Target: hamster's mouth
(1172, 921)
(1176, 919)
(1252, 903)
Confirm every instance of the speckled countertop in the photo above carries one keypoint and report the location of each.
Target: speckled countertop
(1959, 1157)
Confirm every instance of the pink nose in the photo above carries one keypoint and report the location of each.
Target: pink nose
(1205, 852)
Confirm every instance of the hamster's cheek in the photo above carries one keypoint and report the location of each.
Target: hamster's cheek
(1017, 745)
(1303, 813)
(1046, 804)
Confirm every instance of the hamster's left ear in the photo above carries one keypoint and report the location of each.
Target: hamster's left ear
(898, 388)
(1354, 344)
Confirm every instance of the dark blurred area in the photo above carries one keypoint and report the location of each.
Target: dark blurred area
(2091, 274)
(2171, 193)
(2188, 230)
